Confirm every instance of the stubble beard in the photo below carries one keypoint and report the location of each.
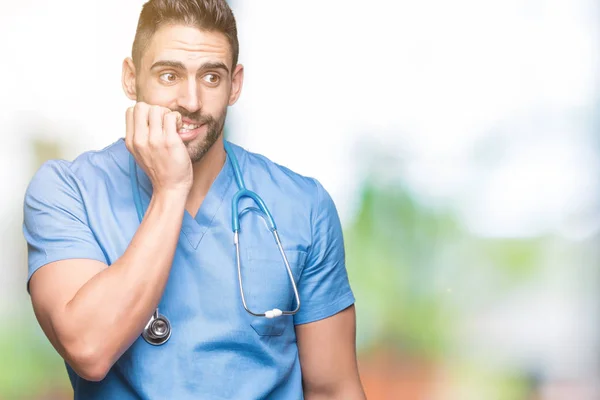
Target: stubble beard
(198, 147)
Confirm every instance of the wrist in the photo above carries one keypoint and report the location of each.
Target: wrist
(170, 198)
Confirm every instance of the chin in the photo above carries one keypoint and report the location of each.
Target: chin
(197, 151)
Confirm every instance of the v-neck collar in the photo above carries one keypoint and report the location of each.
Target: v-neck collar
(195, 228)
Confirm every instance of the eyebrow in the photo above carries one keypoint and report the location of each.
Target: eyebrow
(179, 65)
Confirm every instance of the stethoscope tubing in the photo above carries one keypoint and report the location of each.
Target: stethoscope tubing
(158, 329)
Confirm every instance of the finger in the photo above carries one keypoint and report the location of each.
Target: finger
(179, 122)
(129, 129)
(155, 132)
(140, 117)
(172, 124)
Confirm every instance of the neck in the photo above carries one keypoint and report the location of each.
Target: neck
(205, 172)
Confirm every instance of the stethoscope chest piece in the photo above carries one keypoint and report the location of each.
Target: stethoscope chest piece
(158, 329)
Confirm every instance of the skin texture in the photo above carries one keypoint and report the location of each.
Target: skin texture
(185, 76)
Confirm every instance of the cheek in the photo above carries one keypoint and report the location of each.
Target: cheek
(214, 101)
(154, 93)
(164, 95)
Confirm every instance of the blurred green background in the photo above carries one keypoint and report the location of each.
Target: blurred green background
(459, 142)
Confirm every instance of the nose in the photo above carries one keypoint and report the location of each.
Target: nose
(189, 98)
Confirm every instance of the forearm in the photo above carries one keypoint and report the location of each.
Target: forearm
(348, 390)
(109, 312)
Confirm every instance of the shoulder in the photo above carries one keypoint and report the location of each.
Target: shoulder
(291, 184)
(87, 168)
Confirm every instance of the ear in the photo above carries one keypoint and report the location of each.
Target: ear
(128, 79)
(237, 81)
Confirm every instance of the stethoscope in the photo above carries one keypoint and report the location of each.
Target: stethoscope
(158, 329)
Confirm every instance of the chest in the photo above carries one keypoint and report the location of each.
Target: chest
(206, 280)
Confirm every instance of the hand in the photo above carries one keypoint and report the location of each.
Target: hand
(153, 140)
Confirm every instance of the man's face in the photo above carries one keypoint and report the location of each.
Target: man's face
(189, 70)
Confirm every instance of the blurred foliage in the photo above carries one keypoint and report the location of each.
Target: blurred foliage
(29, 363)
(413, 268)
(472, 382)
(391, 251)
(517, 258)
(31, 368)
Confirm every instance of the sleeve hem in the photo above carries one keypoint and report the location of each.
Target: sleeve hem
(341, 304)
(61, 257)
(314, 215)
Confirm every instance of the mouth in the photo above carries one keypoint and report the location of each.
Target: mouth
(189, 131)
(185, 127)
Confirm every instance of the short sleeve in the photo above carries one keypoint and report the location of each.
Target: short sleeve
(55, 221)
(323, 287)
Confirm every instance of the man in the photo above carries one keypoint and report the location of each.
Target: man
(98, 270)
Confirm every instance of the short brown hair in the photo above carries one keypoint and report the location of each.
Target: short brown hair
(208, 15)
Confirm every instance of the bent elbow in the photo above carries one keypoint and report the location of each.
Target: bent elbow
(86, 352)
(88, 363)
(93, 374)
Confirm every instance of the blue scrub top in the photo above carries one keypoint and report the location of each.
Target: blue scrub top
(85, 209)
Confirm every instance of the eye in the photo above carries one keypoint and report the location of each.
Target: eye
(213, 79)
(168, 77)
